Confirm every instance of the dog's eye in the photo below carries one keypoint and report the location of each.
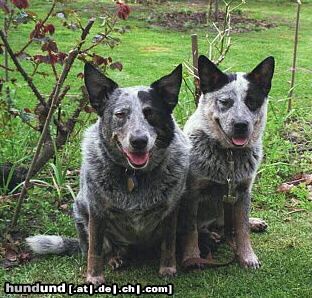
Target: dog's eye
(148, 113)
(120, 115)
(225, 103)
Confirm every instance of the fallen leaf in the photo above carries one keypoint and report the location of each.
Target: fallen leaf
(308, 179)
(24, 257)
(285, 187)
(297, 179)
(64, 206)
(10, 254)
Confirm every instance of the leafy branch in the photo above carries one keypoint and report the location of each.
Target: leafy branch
(46, 106)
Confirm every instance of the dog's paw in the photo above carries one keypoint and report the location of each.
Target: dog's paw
(167, 271)
(95, 280)
(257, 225)
(115, 262)
(250, 261)
(194, 263)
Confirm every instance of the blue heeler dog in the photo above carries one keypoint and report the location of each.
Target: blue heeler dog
(134, 169)
(225, 132)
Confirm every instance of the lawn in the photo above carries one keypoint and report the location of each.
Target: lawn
(148, 52)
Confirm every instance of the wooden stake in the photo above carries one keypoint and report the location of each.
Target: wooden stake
(195, 67)
(293, 69)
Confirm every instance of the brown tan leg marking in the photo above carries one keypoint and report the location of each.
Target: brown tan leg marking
(246, 256)
(95, 252)
(168, 246)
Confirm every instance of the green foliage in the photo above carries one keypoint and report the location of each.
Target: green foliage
(301, 192)
(147, 54)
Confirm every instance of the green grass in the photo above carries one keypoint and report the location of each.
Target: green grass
(147, 53)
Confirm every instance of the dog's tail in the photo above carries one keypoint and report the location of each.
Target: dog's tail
(55, 245)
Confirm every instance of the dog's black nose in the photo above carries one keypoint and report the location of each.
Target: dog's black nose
(241, 127)
(138, 142)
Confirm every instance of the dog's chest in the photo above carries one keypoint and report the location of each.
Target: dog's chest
(134, 215)
(135, 226)
(138, 191)
(219, 164)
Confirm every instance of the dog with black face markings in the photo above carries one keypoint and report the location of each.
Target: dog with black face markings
(226, 135)
(134, 169)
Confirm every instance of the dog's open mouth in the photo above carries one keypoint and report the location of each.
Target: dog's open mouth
(137, 160)
(239, 141)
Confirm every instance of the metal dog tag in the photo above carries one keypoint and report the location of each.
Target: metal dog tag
(132, 183)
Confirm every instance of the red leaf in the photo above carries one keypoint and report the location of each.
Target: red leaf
(40, 59)
(49, 28)
(123, 10)
(21, 4)
(61, 57)
(99, 60)
(38, 32)
(116, 65)
(50, 46)
(53, 58)
(49, 59)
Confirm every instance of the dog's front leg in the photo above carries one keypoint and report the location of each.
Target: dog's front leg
(95, 252)
(168, 265)
(191, 255)
(246, 256)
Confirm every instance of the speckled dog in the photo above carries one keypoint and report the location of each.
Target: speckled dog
(225, 132)
(135, 163)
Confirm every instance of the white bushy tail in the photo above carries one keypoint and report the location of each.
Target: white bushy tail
(51, 244)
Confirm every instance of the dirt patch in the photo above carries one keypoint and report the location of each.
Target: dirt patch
(155, 49)
(183, 20)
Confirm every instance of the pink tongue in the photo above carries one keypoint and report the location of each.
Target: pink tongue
(138, 159)
(239, 141)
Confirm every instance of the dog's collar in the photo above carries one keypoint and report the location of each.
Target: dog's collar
(230, 197)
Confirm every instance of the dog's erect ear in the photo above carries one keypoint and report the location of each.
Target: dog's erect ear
(211, 78)
(262, 74)
(99, 87)
(168, 87)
